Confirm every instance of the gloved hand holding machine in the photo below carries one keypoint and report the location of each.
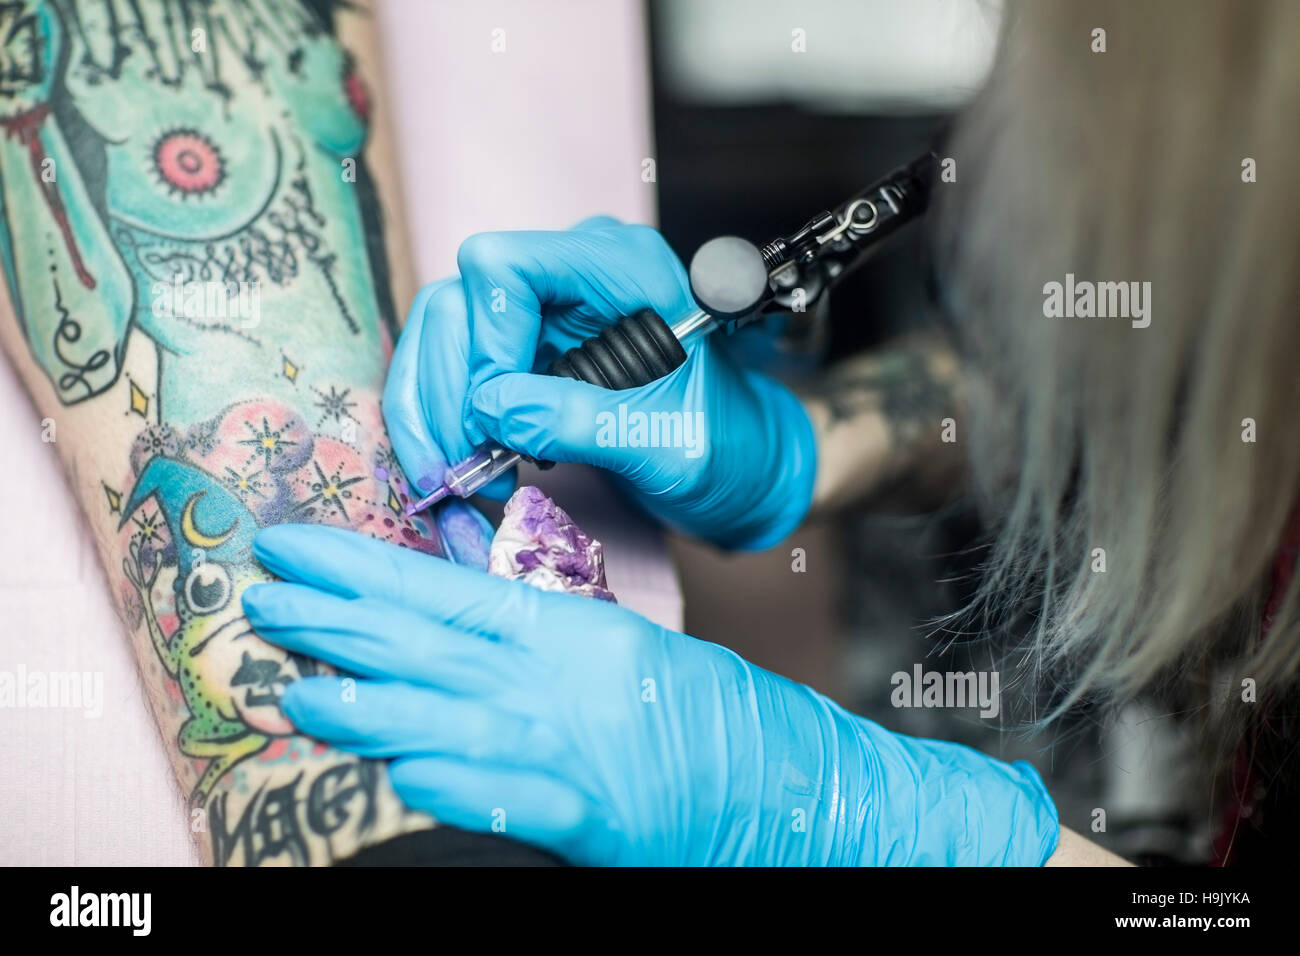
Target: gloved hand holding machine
(733, 282)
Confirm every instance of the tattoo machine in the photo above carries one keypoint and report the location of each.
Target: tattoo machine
(734, 283)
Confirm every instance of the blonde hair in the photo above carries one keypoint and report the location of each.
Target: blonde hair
(1090, 433)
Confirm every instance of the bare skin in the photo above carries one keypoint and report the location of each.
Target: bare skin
(1074, 850)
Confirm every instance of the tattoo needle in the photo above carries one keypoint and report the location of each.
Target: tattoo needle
(466, 477)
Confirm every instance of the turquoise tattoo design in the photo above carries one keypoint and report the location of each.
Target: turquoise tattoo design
(189, 173)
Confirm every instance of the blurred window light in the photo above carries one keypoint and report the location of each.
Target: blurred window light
(858, 56)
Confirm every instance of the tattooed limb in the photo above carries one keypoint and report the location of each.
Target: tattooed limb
(202, 301)
(75, 294)
(882, 421)
(142, 572)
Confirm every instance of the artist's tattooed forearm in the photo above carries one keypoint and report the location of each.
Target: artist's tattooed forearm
(911, 388)
(885, 424)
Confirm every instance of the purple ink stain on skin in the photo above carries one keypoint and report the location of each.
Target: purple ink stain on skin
(381, 473)
(539, 543)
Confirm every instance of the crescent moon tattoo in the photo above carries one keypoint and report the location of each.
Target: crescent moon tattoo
(196, 537)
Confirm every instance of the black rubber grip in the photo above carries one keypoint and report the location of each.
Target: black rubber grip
(632, 352)
(625, 353)
(652, 356)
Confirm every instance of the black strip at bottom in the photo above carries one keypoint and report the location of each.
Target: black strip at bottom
(449, 846)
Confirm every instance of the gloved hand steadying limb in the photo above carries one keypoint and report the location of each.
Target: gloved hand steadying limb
(587, 730)
(461, 375)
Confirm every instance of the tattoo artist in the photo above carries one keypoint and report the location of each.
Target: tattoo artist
(492, 697)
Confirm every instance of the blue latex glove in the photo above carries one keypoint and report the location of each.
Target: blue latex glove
(464, 532)
(741, 476)
(423, 383)
(580, 727)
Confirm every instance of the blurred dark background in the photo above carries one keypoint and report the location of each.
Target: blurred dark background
(759, 160)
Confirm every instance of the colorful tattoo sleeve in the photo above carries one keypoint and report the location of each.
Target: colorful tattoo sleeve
(185, 180)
